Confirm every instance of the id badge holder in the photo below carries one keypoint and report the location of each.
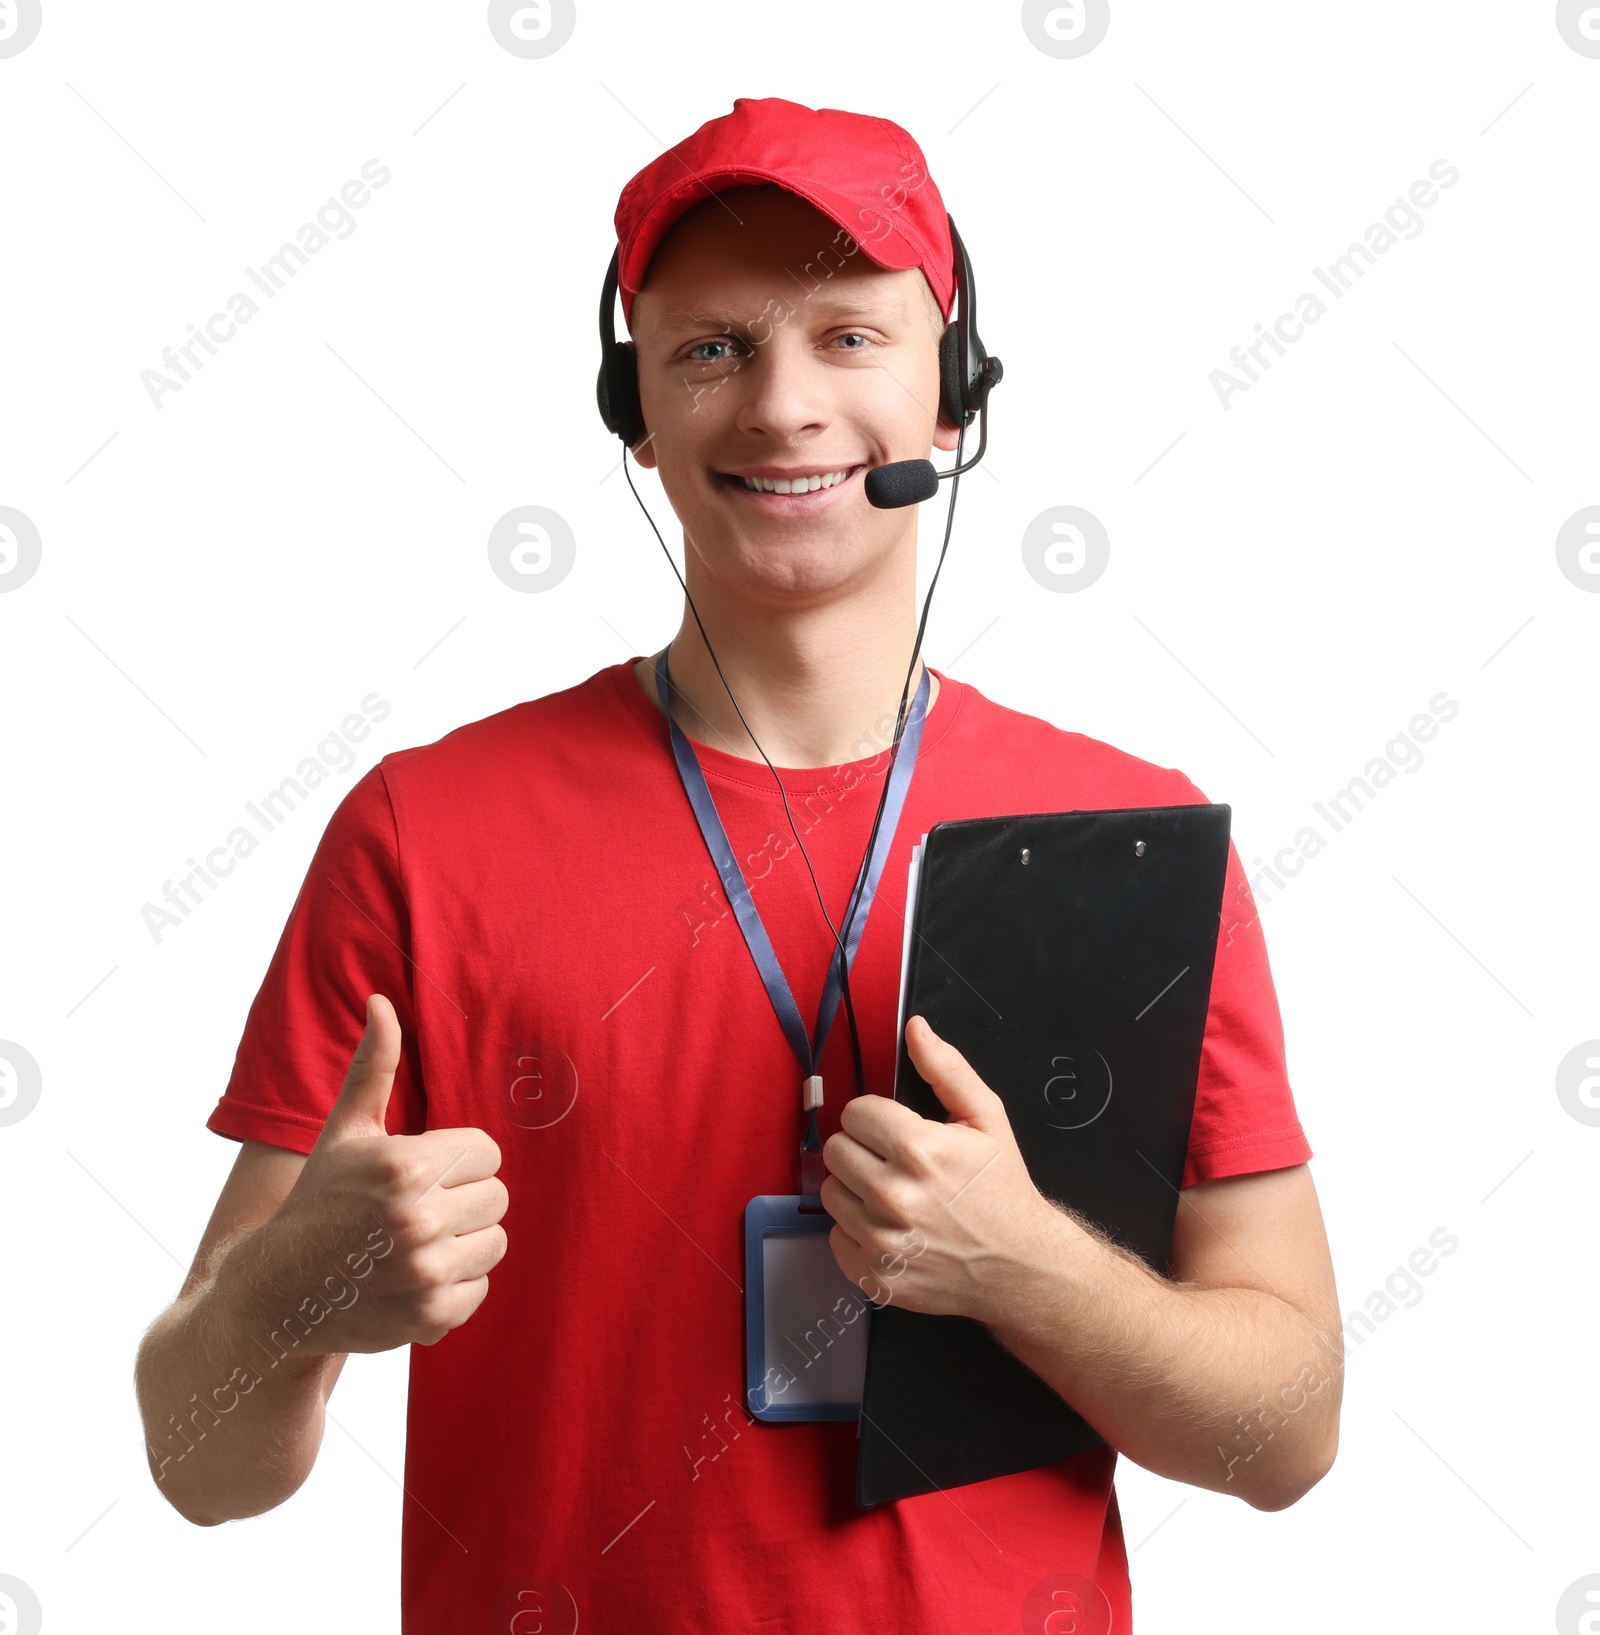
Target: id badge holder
(805, 1322)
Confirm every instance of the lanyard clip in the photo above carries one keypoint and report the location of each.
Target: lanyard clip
(812, 1172)
(812, 1169)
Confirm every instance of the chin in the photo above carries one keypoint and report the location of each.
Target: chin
(797, 570)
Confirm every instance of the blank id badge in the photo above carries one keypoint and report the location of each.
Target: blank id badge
(805, 1322)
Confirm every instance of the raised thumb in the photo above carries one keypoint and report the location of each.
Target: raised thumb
(954, 1081)
(363, 1098)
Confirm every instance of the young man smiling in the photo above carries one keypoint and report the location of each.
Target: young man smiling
(568, 1081)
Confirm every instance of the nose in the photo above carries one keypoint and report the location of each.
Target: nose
(786, 389)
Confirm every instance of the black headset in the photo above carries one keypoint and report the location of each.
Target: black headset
(966, 374)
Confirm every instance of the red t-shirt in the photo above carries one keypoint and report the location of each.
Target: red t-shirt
(534, 896)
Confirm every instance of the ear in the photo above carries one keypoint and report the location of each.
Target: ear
(945, 436)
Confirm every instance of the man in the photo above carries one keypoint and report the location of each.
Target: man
(571, 1081)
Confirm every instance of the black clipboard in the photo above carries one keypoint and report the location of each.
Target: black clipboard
(1068, 956)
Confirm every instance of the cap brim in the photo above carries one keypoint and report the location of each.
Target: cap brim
(884, 244)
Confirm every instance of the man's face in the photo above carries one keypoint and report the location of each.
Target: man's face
(765, 349)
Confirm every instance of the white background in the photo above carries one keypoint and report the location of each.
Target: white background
(1291, 579)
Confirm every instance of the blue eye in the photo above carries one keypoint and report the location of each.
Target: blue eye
(700, 345)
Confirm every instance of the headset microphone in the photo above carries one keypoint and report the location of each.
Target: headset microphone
(910, 482)
(905, 482)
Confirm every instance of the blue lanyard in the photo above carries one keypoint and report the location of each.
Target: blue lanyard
(743, 904)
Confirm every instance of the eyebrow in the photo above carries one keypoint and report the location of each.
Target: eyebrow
(688, 317)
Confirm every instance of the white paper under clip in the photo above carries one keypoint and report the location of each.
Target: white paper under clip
(913, 881)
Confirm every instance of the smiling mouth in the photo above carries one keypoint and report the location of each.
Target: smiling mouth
(812, 483)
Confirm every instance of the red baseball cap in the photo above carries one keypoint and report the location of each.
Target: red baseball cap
(866, 174)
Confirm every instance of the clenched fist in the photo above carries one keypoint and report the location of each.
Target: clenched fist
(391, 1238)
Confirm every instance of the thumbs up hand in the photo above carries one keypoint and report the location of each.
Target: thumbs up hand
(936, 1217)
(384, 1240)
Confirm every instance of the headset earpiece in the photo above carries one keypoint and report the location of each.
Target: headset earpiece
(952, 406)
(966, 371)
(617, 387)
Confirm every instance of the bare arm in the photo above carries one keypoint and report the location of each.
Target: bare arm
(370, 1242)
(1228, 1373)
(228, 1432)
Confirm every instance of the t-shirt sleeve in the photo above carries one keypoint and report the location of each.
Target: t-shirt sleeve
(1244, 1112)
(347, 936)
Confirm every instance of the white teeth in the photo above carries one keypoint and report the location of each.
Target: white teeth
(796, 485)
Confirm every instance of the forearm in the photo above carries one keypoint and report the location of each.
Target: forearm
(1229, 1389)
(231, 1397)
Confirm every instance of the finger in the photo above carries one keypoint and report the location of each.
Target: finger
(961, 1092)
(363, 1100)
(473, 1206)
(858, 1166)
(849, 1209)
(453, 1158)
(463, 1300)
(476, 1254)
(849, 1236)
(882, 1126)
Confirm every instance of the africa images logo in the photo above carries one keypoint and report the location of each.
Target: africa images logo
(1577, 548)
(20, 1084)
(532, 548)
(532, 28)
(19, 27)
(1579, 24)
(1066, 28)
(20, 547)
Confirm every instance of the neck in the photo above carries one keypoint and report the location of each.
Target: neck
(819, 686)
